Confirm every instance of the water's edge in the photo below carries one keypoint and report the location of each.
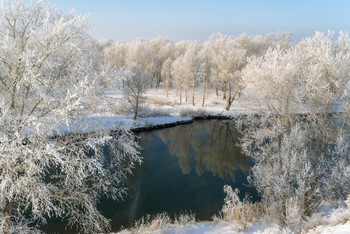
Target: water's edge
(183, 122)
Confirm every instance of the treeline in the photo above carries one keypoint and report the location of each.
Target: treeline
(187, 65)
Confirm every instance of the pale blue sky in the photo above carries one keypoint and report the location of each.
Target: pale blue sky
(178, 20)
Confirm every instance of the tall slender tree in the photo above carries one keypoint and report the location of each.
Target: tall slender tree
(134, 86)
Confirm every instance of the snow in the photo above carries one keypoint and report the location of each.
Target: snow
(220, 228)
(108, 122)
(160, 109)
(338, 229)
(157, 110)
(227, 228)
(332, 227)
(333, 219)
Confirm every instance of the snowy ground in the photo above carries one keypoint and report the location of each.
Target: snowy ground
(160, 109)
(327, 221)
(222, 228)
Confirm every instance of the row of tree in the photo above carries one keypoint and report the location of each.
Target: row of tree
(186, 65)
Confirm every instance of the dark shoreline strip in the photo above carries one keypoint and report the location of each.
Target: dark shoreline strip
(205, 117)
(173, 124)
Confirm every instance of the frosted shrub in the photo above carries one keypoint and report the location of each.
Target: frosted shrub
(192, 112)
(162, 223)
(185, 219)
(240, 212)
(149, 223)
(232, 202)
(118, 108)
(347, 201)
(146, 111)
(159, 101)
(294, 214)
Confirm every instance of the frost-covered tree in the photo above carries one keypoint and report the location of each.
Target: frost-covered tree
(298, 142)
(191, 67)
(141, 53)
(46, 82)
(166, 73)
(134, 86)
(179, 74)
(115, 54)
(257, 45)
(228, 61)
(205, 67)
(326, 75)
(183, 69)
(163, 49)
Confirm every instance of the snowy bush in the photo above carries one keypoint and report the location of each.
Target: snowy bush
(146, 111)
(192, 112)
(185, 219)
(150, 224)
(162, 223)
(240, 212)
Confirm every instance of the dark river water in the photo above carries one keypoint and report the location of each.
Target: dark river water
(184, 169)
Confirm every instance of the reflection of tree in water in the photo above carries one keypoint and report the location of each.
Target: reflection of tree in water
(179, 141)
(214, 144)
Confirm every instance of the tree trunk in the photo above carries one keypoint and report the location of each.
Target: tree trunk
(136, 108)
(13, 94)
(193, 90)
(228, 103)
(230, 98)
(180, 96)
(204, 91)
(6, 215)
(186, 92)
(193, 104)
(282, 219)
(224, 90)
(158, 79)
(167, 87)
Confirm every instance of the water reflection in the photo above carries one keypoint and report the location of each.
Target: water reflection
(213, 144)
(184, 169)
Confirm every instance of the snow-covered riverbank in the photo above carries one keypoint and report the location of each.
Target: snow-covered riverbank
(328, 220)
(158, 109)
